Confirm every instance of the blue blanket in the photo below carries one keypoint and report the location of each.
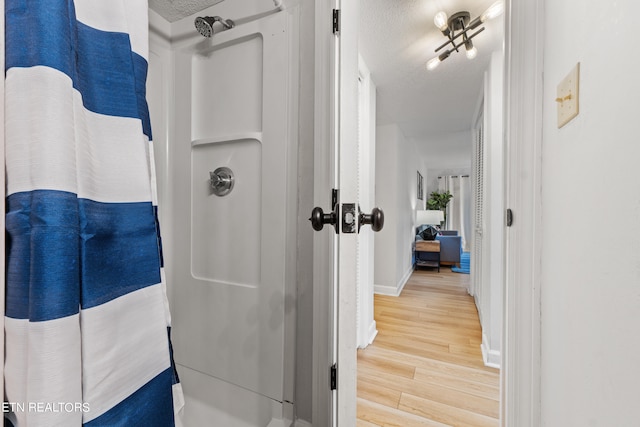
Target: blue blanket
(464, 264)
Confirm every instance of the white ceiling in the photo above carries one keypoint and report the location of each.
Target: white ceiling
(173, 10)
(397, 38)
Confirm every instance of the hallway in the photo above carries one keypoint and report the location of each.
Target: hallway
(425, 367)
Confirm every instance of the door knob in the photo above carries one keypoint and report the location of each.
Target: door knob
(319, 219)
(376, 219)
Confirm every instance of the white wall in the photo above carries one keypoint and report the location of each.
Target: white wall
(446, 150)
(431, 181)
(445, 154)
(590, 294)
(397, 164)
(409, 163)
(366, 195)
(384, 275)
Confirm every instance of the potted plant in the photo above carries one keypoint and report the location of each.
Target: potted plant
(439, 201)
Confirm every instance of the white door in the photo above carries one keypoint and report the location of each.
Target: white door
(229, 305)
(336, 251)
(347, 143)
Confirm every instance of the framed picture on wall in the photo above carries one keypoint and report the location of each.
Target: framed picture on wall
(420, 186)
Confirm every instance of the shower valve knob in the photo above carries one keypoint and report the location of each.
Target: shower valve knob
(376, 219)
(221, 181)
(319, 218)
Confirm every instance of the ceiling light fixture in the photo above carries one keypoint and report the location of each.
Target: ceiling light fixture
(460, 25)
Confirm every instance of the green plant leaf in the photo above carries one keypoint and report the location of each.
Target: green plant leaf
(439, 200)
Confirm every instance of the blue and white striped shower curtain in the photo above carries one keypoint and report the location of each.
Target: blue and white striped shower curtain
(87, 319)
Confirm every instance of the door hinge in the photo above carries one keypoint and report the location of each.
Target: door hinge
(333, 375)
(509, 217)
(336, 21)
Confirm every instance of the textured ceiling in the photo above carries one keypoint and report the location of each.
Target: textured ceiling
(397, 38)
(173, 10)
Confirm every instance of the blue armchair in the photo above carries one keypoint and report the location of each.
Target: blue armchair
(450, 245)
(450, 248)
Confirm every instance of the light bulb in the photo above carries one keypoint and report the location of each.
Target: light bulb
(471, 53)
(433, 63)
(494, 10)
(440, 20)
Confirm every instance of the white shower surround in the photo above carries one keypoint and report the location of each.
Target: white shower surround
(173, 10)
(209, 399)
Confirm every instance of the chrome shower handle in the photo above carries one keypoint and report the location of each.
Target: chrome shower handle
(222, 181)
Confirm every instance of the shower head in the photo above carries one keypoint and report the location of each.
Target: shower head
(204, 25)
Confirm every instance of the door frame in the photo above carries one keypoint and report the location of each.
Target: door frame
(524, 44)
(520, 382)
(346, 45)
(335, 274)
(324, 241)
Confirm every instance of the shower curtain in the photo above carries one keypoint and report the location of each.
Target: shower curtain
(86, 317)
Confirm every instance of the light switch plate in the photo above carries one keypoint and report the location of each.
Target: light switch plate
(568, 96)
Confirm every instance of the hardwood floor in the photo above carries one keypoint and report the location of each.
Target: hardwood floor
(425, 366)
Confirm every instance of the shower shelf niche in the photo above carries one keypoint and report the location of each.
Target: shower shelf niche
(228, 138)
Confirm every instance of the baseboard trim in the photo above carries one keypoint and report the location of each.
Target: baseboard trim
(373, 331)
(385, 290)
(391, 290)
(490, 357)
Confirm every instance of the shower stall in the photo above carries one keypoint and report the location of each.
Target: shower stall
(225, 122)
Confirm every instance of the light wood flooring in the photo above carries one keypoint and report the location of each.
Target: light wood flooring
(425, 366)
